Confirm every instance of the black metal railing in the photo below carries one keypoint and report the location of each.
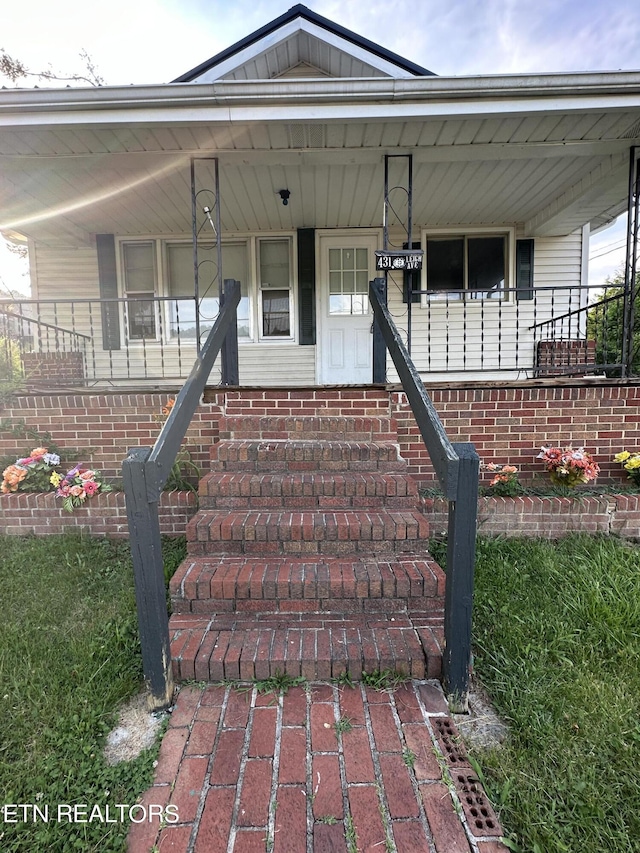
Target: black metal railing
(145, 472)
(457, 467)
(554, 331)
(551, 330)
(132, 339)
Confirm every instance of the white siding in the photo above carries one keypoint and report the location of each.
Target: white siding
(490, 339)
(72, 274)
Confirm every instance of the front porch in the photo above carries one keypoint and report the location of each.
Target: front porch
(557, 331)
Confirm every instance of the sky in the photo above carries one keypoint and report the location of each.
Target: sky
(155, 41)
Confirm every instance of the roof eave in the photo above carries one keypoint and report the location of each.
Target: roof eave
(554, 91)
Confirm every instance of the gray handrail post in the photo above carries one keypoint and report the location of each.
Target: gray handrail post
(229, 354)
(379, 346)
(148, 572)
(145, 472)
(461, 550)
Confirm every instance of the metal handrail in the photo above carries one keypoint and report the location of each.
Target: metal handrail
(457, 466)
(615, 298)
(145, 471)
(40, 323)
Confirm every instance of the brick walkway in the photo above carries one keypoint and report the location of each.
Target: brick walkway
(326, 769)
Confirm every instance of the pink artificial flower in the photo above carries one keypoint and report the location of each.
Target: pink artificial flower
(91, 487)
(86, 475)
(76, 491)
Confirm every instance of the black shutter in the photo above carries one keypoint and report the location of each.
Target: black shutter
(524, 269)
(411, 279)
(307, 285)
(106, 246)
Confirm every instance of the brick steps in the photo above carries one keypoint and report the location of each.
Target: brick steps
(288, 455)
(321, 427)
(307, 557)
(231, 646)
(307, 490)
(323, 532)
(407, 582)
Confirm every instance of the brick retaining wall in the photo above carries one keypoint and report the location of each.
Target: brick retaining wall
(24, 514)
(549, 518)
(105, 515)
(506, 424)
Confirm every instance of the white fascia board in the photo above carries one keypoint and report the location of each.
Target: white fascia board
(288, 31)
(261, 112)
(325, 99)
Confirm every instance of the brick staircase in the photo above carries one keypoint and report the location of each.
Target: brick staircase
(307, 557)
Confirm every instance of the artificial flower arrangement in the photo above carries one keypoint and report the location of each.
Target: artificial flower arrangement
(631, 464)
(505, 482)
(568, 467)
(39, 472)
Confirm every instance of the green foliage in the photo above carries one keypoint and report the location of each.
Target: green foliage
(557, 644)
(69, 655)
(605, 324)
(384, 679)
(184, 475)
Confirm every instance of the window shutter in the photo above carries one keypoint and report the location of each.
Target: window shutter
(524, 269)
(307, 285)
(411, 279)
(106, 247)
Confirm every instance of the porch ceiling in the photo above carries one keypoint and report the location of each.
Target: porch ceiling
(549, 171)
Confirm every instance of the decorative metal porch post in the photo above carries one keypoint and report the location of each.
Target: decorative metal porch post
(631, 262)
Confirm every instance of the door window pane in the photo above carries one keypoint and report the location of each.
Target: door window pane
(348, 281)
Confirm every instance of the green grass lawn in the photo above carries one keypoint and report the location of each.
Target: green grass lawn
(69, 656)
(557, 644)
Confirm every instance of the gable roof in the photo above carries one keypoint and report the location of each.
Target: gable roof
(378, 60)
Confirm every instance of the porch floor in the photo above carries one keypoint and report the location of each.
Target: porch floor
(319, 769)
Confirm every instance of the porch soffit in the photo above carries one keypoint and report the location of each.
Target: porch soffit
(552, 172)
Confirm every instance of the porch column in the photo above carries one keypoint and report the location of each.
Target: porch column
(631, 262)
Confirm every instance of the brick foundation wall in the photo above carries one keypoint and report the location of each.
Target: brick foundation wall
(99, 429)
(24, 514)
(549, 518)
(55, 368)
(507, 424)
(558, 357)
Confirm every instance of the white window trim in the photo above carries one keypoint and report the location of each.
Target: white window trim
(507, 231)
(293, 289)
(252, 240)
(123, 293)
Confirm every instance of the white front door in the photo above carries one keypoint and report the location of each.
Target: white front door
(347, 265)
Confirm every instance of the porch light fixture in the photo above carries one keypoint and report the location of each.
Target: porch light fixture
(207, 213)
(284, 195)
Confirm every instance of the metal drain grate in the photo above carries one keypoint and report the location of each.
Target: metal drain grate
(450, 741)
(481, 818)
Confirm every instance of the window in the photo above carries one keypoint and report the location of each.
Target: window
(139, 262)
(159, 285)
(180, 281)
(348, 281)
(474, 266)
(275, 288)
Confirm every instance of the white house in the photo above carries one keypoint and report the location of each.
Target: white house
(293, 156)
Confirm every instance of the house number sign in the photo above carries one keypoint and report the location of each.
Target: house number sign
(399, 260)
